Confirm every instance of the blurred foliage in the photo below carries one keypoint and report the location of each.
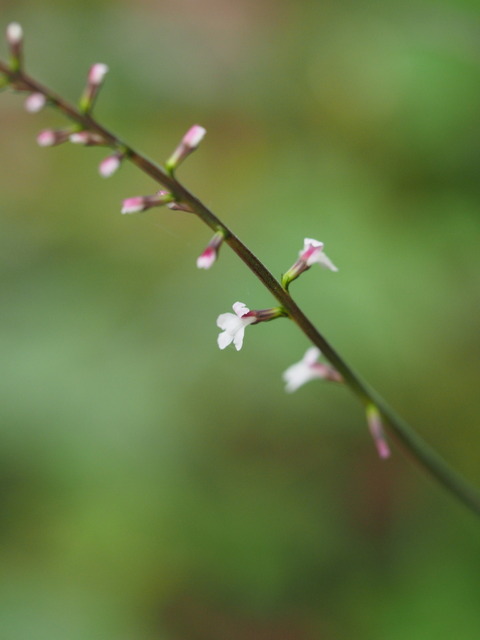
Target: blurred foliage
(154, 488)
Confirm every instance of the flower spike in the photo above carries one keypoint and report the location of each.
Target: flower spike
(375, 425)
(309, 369)
(189, 143)
(209, 256)
(311, 253)
(142, 203)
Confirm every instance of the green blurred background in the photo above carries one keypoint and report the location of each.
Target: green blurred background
(155, 488)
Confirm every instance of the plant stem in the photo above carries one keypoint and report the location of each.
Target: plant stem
(419, 450)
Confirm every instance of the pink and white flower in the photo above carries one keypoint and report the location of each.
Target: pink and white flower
(309, 369)
(233, 325)
(312, 253)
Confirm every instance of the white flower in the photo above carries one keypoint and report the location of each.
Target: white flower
(308, 369)
(312, 252)
(233, 326)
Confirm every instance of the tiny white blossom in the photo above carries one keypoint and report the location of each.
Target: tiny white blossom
(312, 252)
(14, 34)
(308, 369)
(233, 326)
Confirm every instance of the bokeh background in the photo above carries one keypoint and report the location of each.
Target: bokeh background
(155, 488)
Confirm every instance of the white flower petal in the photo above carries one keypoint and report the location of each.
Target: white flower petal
(240, 309)
(224, 339)
(311, 355)
(325, 261)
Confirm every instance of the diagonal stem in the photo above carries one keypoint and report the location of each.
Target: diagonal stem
(411, 442)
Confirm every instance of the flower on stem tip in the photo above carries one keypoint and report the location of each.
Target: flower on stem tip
(233, 325)
(209, 256)
(189, 143)
(15, 43)
(142, 203)
(311, 253)
(309, 369)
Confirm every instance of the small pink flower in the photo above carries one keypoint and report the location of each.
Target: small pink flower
(312, 253)
(35, 102)
(142, 203)
(209, 256)
(52, 137)
(189, 143)
(309, 369)
(233, 326)
(375, 425)
(110, 165)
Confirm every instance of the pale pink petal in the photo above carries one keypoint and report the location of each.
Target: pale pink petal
(240, 309)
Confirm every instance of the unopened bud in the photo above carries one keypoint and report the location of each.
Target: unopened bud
(52, 137)
(87, 138)
(375, 425)
(189, 143)
(179, 206)
(15, 42)
(110, 164)
(35, 102)
(209, 256)
(95, 79)
(142, 203)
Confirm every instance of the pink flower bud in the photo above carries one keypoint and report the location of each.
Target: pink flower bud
(189, 143)
(97, 73)
(51, 137)
(15, 42)
(208, 257)
(375, 425)
(35, 102)
(110, 165)
(14, 34)
(311, 253)
(96, 76)
(87, 138)
(142, 203)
